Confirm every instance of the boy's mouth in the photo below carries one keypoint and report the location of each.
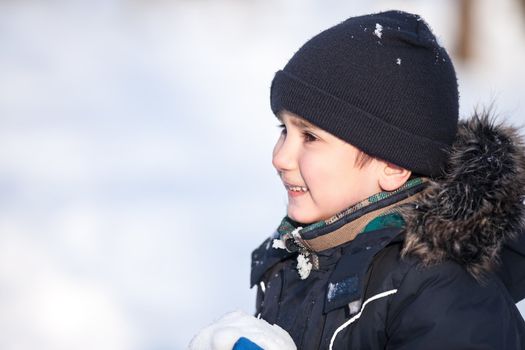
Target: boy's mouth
(295, 188)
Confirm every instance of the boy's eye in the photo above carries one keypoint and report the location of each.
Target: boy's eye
(308, 137)
(283, 128)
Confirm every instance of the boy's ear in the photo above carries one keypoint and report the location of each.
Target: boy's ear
(392, 177)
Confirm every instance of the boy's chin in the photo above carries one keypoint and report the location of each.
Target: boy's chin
(303, 219)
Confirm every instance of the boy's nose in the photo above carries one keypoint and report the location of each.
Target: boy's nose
(284, 155)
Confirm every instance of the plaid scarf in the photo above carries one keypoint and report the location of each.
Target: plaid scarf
(375, 212)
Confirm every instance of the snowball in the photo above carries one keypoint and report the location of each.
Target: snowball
(224, 333)
(379, 30)
(398, 61)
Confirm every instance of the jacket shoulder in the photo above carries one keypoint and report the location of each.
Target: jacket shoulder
(448, 308)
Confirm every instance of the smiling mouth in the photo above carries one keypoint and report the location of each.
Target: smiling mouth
(293, 188)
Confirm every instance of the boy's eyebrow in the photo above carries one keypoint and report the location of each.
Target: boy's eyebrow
(298, 122)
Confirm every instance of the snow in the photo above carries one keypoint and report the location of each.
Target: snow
(296, 231)
(224, 333)
(304, 266)
(346, 286)
(354, 306)
(278, 244)
(332, 291)
(378, 31)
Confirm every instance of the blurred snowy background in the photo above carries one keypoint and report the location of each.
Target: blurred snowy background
(135, 153)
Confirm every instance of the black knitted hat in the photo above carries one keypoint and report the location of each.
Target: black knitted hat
(380, 82)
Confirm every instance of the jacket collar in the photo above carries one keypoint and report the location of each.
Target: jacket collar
(476, 209)
(375, 213)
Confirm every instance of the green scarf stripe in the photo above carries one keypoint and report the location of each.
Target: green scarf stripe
(384, 221)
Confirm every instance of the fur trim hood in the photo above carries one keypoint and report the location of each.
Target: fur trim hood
(478, 205)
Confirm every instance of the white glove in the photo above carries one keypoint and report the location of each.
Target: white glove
(224, 333)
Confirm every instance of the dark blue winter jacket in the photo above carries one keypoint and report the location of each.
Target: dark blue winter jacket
(434, 265)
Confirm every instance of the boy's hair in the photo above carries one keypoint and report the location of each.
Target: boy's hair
(380, 82)
(362, 159)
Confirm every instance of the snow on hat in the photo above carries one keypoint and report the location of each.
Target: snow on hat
(380, 82)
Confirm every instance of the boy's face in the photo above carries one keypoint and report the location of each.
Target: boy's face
(319, 171)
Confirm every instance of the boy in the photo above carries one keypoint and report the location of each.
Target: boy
(403, 227)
